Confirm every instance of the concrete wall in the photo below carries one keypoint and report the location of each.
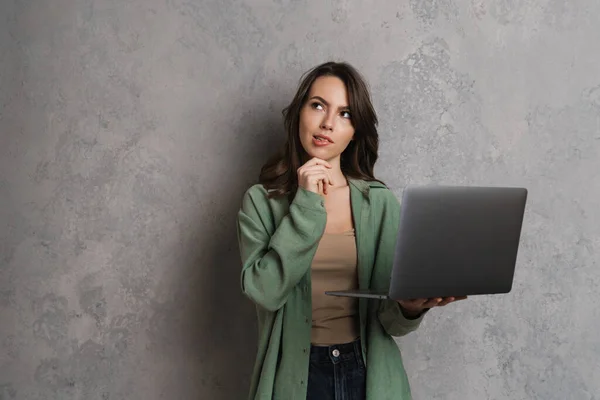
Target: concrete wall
(130, 129)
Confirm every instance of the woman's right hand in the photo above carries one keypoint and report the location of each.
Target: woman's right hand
(314, 176)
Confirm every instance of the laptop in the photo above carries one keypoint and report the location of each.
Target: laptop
(454, 241)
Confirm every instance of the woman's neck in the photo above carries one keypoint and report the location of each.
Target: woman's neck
(336, 174)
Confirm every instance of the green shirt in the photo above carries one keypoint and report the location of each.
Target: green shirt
(277, 243)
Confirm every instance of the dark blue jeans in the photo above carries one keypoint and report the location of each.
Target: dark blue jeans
(336, 372)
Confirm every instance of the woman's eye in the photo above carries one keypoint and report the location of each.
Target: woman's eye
(346, 114)
(317, 106)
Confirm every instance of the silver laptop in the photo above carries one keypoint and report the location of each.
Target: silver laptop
(454, 241)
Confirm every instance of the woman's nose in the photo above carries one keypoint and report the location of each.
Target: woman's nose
(327, 123)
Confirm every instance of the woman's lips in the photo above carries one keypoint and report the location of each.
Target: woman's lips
(319, 141)
(322, 140)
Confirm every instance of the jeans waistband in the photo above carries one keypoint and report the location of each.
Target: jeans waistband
(336, 353)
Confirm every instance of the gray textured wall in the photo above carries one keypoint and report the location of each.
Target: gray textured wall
(129, 130)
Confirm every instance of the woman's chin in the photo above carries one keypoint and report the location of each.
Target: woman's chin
(323, 154)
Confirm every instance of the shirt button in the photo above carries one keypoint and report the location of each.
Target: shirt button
(335, 353)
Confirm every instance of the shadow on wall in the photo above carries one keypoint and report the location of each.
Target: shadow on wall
(222, 320)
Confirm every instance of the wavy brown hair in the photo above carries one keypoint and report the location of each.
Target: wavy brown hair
(279, 174)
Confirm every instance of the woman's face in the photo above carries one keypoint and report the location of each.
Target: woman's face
(325, 122)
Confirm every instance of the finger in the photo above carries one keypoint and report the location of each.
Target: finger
(316, 161)
(415, 302)
(314, 176)
(318, 168)
(320, 176)
(310, 165)
(432, 302)
(314, 167)
(454, 299)
(412, 304)
(445, 301)
(320, 187)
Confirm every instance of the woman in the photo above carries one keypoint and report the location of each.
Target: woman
(318, 220)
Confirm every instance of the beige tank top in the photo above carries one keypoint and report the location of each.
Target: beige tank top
(334, 267)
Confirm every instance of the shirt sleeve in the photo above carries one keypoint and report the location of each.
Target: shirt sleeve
(394, 322)
(272, 265)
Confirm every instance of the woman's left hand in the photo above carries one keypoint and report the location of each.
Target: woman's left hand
(415, 307)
